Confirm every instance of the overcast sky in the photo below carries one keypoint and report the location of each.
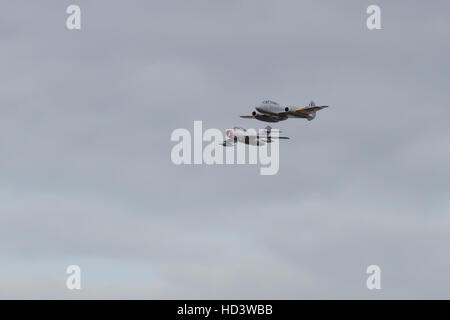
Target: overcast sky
(85, 170)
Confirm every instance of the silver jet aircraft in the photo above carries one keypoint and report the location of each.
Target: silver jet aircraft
(270, 111)
(238, 134)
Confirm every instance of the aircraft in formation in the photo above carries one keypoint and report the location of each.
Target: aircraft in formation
(270, 111)
(239, 134)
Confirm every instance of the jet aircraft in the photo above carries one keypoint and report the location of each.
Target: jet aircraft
(238, 134)
(270, 111)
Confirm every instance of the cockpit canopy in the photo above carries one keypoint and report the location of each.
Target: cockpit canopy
(270, 102)
(239, 128)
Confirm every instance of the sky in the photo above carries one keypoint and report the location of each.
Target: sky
(86, 176)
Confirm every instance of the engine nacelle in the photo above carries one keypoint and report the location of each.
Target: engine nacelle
(290, 109)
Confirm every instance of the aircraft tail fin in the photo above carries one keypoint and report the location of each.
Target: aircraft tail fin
(312, 104)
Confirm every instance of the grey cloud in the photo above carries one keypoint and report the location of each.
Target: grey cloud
(86, 174)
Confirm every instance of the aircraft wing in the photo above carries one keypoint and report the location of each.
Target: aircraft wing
(271, 137)
(307, 110)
